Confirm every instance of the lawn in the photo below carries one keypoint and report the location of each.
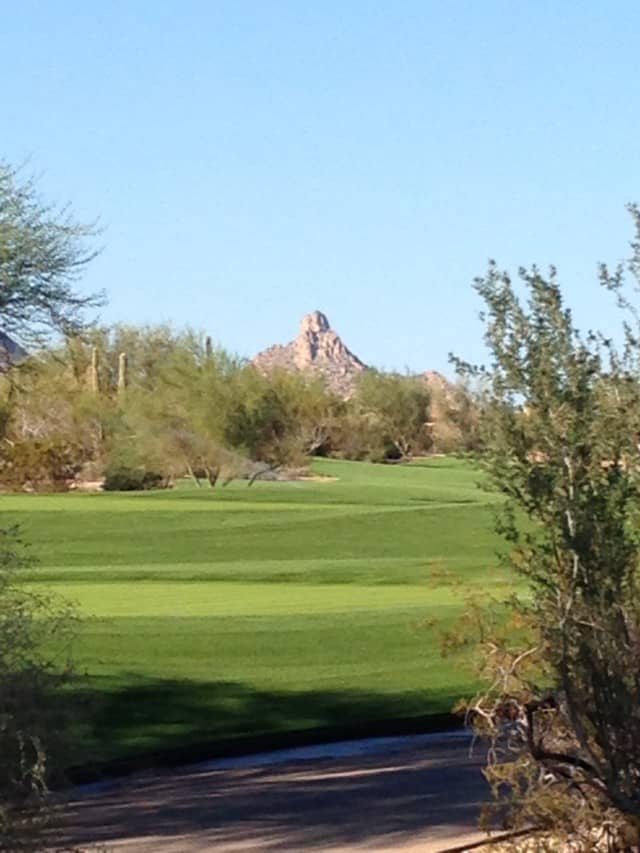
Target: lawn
(213, 614)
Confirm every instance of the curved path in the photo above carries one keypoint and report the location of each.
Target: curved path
(394, 794)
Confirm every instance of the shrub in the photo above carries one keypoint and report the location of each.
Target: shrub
(35, 632)
(133, 480)
(561, 420)
(44, 465)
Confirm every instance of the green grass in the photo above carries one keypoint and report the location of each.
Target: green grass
(212, 614)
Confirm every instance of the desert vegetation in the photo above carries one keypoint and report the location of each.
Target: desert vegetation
(561, 430)
(211, 611)
(143, 407)
(229, 611)
(42, 252)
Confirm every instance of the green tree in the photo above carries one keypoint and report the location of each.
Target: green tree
(264, 420)
(43, 253)
(174, 414)
(398, 406)
(561, 419)
(54, 425)
(455, 418)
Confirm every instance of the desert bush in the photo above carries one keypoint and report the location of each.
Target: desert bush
(133, 480)
(43, 252)
(35, 634)
(561, 425)
(46, 465)
(396, 407)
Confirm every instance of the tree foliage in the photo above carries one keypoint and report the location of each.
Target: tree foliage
(43, 253)
(398, 407)
(35, 635)
(560, 428)
(186, 407)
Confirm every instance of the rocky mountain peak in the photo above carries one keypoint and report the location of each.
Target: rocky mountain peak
(314, 323)
(317, 351)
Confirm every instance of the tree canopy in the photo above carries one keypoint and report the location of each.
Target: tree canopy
(43, 253)
(561, 419)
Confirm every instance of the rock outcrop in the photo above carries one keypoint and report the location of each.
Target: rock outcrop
(10, 351)
(317, 351)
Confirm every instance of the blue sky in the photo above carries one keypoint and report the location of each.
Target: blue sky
(252, 161)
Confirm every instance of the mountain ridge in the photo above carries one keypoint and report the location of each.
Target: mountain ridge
(317, 351)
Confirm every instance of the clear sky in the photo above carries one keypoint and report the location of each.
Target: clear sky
(253, 161)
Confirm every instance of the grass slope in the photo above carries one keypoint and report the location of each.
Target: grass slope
(219, 613)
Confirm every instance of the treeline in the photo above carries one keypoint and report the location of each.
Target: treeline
(140, 407)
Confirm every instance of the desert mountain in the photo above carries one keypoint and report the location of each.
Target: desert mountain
(320, 352)
(317, 351)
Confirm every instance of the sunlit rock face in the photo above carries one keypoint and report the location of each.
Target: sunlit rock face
(317, 351)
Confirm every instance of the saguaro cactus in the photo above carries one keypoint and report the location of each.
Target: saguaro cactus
(94, 381)
(122, 373)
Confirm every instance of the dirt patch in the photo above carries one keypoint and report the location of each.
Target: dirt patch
(87, 486)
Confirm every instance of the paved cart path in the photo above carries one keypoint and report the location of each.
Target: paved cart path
(402, 794)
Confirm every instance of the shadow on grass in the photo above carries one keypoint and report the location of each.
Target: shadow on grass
(413, 792)
(130, 724)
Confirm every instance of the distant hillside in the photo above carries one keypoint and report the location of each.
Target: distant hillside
(317, 351)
